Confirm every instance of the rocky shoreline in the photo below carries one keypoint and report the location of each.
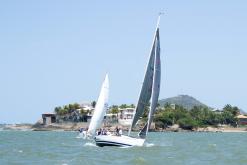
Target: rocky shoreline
(77, 126)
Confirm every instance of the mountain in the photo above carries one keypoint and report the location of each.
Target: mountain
(182, 100)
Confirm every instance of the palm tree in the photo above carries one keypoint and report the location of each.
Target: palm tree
(115, 110)
(57, 110)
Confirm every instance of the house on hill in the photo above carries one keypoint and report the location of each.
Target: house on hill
(126, 116)
(48, 118)
(242, 119)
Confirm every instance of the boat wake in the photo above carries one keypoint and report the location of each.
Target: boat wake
(149, 145)
(89, 144)
(79, 137)
(126, 147)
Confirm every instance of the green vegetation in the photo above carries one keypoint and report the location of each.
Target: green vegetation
(198, 116)
(71, 112)
(166, 114)
(114, 109)
(67, 109)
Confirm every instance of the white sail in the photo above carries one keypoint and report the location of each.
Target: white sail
(100, 108)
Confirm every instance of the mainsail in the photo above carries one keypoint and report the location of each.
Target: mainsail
(155, 86)
(151, 85)
(100, 108)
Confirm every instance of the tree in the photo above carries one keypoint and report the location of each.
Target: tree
(132, 106)
(187, 123)
(229, 118)
(57, 109)
(227, 107)
(63, 112)
(83, 112)
(71, 108)
(167, 105)
(77, 106)
(123, 106)
(233, 110)
(165, 118)
(114, 109)
(196, 112)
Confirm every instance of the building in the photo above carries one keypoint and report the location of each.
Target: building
(242, 120)
(88, 108)
(48, 118)
(173, 106)
(126, 116)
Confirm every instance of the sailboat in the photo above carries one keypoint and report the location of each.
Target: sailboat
(149, 93)
(99, 112)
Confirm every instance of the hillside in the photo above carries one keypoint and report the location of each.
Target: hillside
(182, 100)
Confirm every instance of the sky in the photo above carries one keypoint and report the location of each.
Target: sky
(57, 52)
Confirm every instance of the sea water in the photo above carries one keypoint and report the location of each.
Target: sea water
(66, 148)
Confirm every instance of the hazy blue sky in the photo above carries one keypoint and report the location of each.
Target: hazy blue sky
(57, 52)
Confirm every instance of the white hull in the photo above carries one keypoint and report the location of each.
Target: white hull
(120, 141)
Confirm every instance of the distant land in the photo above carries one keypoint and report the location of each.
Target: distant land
(72, 117)
(186, 101)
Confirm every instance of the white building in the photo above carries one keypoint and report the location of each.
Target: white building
(125, 116)
(88, 108)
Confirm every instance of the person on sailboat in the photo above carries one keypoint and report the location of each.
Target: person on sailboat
(117, 130)
(103, 131)
(99, 132)
(83, 133)
(81, 130)
(120, 132)
(108, 132)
